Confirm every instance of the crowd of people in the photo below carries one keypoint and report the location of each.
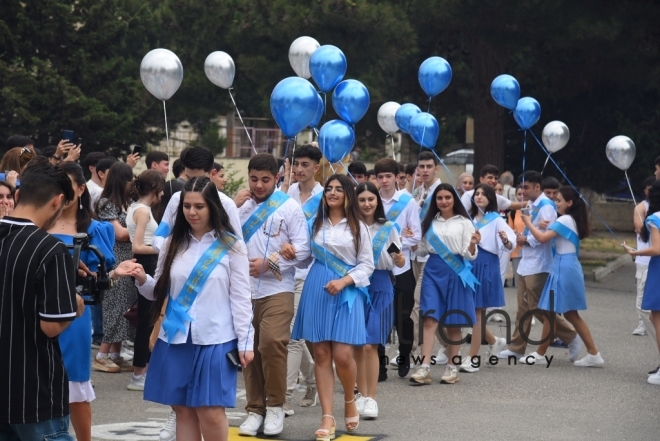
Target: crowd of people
(293, 280)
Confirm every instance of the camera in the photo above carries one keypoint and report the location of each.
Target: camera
(90, 288)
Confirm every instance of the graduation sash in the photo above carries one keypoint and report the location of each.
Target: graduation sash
(536, 209)
(457, 263)
(380, 240)
(398, 207)
(652, 220)
(425, 207)
(163, 230)
(486, 219)
(311, 206)
(268, 207)
(565, 232)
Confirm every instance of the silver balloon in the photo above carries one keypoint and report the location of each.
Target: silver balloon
(300, 52)
(220, 69)
(386, 117)
(161, 72)
(621, 152)
(555, 136)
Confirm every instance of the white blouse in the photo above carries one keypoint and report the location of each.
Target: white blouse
(455, 232)
(564, 246)
(222, 310)
(490, 238)
(385, 261)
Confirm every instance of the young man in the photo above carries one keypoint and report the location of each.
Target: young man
(642, 265)
(158, 161)
(533, 272)
(358, 170)
(94, 185)
(270, 219)
(489, 175)
(220, 180)
(550, 187)
(401, 179)
(38, 302)
(371, 177)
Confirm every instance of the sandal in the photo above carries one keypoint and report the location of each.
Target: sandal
(326, 434)
(351, 420)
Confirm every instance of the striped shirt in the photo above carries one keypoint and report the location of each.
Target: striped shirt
(36, 283)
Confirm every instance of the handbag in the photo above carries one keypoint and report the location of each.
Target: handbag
(132, 315)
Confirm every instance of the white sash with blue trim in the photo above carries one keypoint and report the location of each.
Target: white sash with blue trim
(568, 234)
(268, 207)
(398, 207)
(457, 263)
(380, 240)
(486, 219)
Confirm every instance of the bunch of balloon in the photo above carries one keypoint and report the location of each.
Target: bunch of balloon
(620, 151)
(300, 54)
(555, 136)
(161, 72)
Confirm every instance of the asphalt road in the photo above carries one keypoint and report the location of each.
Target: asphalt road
(500, 402)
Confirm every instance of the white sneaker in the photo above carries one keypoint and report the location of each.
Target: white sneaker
(274, 422)
(288, 407)
(441, 358)
(505, 354)
(590, 361)
(252, 425)
(422, 376)
(168, 432)
(534, 359)
(450, 376)
(466, 365)
(137, 382)
(126, 354)
(654, 379)
(496, 318)
(498, 346)
(574, 348)
(533, 321)
(640, 329)
(370, 411)
(393, 361)
(360, 401)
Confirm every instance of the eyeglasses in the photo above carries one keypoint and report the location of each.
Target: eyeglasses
(329, 190)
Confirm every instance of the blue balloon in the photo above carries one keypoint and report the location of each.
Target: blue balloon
(320, 109)
(336, 139)
(327, 66)
(527, 112)
(434, 75)
(424, 130)
(293, 103)
(350, 100)
(404, 114)
(505, 90)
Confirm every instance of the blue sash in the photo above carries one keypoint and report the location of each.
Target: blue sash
(398, 207)
(536, 209)
(425, 207)
(341, 268)
(163, 230)
(457, 263)
(565, 232)
(311, 208)
(654, 220)
(177, 310)
(268, 207)
(380, 240)
(486, 219)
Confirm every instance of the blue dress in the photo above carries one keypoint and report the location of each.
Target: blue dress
(651, 299)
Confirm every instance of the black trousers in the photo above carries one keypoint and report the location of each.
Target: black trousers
(141, 353)
(404, 301)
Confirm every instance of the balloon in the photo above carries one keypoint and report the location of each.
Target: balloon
(434, 75)
(386, 119)
(336, 139)
(555, 136)
(300, 52)
(527, 112)
(621, 152)
(350, 100)
(293, 103)
(320, 109)
(220, 69)
(505, 90)
(161, 72)
(327, 66)
(424, 130)
(404, 114)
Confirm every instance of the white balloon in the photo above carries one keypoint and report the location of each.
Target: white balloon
(555, 136)
(621, 151)
(386, 119)
(300, 52)
(161, 72)
(220, 69)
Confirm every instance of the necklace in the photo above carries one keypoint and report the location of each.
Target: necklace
(69, 223)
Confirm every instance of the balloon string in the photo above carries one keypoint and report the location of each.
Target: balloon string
(546, 162)
(391, 135)
(238, 112)
(349, 173)
(167, 134)
(633, 196)
(428, 110)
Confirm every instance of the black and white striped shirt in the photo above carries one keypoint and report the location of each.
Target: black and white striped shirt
(36, 283)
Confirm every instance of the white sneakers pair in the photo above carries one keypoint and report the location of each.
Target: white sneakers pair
(272, 425)
(367, 407)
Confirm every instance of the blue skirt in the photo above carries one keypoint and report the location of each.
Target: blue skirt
(566, 280)
(443, 291)
(76, 346)
(321, 317)
(380, 313)
(191, 375)
(486, 268)
(651, 299)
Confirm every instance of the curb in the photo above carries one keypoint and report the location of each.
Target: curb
(600, 273)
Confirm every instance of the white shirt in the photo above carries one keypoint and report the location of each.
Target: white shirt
(455, 232)
(421, 195)
(564, 246)
(132, 226)
(294, 193)
(95, 191)
(338, 240)
(222, 311)
(286, 225)
(409, 218)
(502, 202)
(537, 257)
(641, 245)
(490, 238)
(385, 261)
(170, 216)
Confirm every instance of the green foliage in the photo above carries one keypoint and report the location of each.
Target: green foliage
(233, 185)
(210, 138)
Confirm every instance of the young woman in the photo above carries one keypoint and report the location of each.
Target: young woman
(14, 162)
(449, 237)
(496, 238)
(76, 340)
(564, 291)
(6, 199)
(202, 289)
(331, 309)
(464, 183)
(146, 190)
(514, 219)
(378, 313)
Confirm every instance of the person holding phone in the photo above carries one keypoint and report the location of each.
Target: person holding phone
(379, 314)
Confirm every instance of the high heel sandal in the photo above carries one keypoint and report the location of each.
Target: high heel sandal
(326, 434)
(352, 420)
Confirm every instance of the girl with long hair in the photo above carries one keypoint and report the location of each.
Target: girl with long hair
(514, 219)
(449, 238)
(379, 313)
(6, 199)
(564, 291)
(331, 309)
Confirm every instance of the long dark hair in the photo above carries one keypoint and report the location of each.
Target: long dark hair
(490, 195)
(654, 207)
(350, 209)
(379, 213)
(180, 238)
(148, 182)
(577, 210)
(119, 175)
(84, 215)
(458, 208)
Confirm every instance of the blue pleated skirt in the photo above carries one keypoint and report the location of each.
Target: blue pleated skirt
(76, 346)
(566, 280)
(191, 375)
(486, 268)
(379, 314)
(322, 317)
(651, 299)
(443, 291)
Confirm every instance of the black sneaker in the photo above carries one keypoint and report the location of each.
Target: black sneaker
(382, 375)
(404, 365)
(654, 371)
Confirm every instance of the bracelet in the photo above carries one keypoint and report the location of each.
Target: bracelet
(59, 158)
(505, 241)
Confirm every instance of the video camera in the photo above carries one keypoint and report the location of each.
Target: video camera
(90, 288)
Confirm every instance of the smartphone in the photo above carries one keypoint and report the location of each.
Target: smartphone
(137, 150)
(234, 357)
(68, 135)
(628, 247)
(525, 211)
(393, 249)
